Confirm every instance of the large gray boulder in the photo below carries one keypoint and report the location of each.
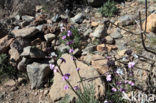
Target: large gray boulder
(57, 89)
(36, 73)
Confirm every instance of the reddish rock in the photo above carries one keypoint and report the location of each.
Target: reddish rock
(27, 32)
(151, 23)
(5, 43)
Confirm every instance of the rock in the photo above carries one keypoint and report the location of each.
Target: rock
(2, 96)
(56, 18)
(19, 44)
(25, 23)
(49, 37)
(86, 33)
(109, 40)
(78, 18)
(87, 58)
(63, 48)
(22, 65)
(89, 49)
(151, 23)
(121, 44)
(121, 53)
(27, 32)
(36, 73)
(152, 8)
(100, 64)
(14, 56)
(94, 24)
(46, 92)
(33, 52)
(126, 20)
(39, 27)
(5, 43)
(96, 2)
(99, 31)
(57, 89)
(10, 83)
(27, 18)
(41, 19)
(116, 34)
(38, 8)
(17, 17)
(36, 41)
(102, 47)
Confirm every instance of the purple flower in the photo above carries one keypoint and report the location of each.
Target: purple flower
(76, 87)
(108, 78)
(118, 83)
(66, 76)
(72, 58)
(111, 63)
(77, 69)
(66, 87)
(126, 81)
(69, 42)
(63, 60)
(64, 37)
(52, 66)
(131, 64)
(56, 69)
(128, 52)
(114, 89)
(69, 33)
(131, 83)
(122, 90)
(71, 50)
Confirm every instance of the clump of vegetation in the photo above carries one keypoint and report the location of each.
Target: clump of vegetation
(109, 9)
(71, 37)
(6, 70)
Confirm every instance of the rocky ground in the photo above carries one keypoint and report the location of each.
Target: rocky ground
(32, 43)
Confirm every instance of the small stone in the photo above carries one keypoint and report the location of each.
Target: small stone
(86, 33)
(10, 83)
(78, 18)
(121, 52)
(126, 20)
(49, 37)
(116, 34)
(94, 24)
(109, 40)
(5, 43)
(14, 56)
(38, 8)
(99, 31)
(27, 18)
(46, 92)
(22, 65)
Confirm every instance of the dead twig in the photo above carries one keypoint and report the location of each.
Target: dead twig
(144, 32)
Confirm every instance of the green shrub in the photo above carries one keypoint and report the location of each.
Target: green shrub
(109, 9)
(74, 38)
(88, 95)
(6, 70)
